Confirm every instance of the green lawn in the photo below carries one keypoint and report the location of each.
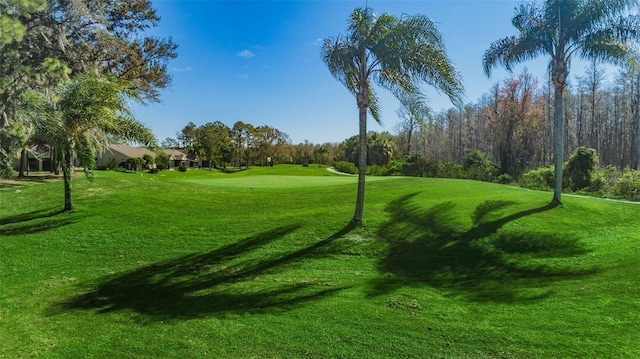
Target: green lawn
(259, 264)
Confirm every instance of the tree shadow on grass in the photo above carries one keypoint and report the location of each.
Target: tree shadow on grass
(36, 222)
(25, 217)
(225, 280)
(427, 247)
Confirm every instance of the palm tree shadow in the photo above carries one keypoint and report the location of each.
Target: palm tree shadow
(35, 222)
(480, 263)
(224, 280)
(25, 217)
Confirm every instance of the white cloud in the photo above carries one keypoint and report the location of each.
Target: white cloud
(316, 42)
(181, 69)
(246, 54)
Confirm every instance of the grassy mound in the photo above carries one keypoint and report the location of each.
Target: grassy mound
(259, 264)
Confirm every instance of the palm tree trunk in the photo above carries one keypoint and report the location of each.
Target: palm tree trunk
(362, 164)
(558, 143)
(23, 163)
(66, 171)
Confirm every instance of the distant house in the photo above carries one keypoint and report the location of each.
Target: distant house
(179, 157)
(39, 158)
(119, 154)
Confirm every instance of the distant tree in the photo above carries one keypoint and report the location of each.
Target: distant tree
(242, 137)
(82, 112)
(187, 137)
(514, 118)
(170, 143)
(148, 160)
(162, 159)
(320, 153)
(380, 148)
(592, 29)
(268, 142)
(214, 140)
(398, 54)
(413, 113)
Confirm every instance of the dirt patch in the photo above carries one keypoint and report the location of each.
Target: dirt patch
(33, 178)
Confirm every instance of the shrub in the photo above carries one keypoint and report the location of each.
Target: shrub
(449, 169)
(162, 160)
(346, 167)
(415, 165)
(182, 168)
(538, 179)
(375, 170)
(604, 179)
(153, 170)
(479, 166)
(504, 178)
(581, 164)
(394, 168)
(148, 160)
(112, 164)
(628, 186)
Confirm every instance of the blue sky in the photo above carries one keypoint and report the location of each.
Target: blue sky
(259, 62)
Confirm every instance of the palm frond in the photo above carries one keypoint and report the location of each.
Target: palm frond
(374, 106)
(340, 59)
(612, 42)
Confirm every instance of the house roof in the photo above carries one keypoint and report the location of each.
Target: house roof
(176, 154)
(128, 151)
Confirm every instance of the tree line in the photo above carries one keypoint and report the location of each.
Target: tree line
(513, 123)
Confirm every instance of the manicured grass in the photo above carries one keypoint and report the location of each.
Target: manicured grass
(208, 264)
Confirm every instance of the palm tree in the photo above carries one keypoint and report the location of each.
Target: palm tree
(591, 29)
(398, 54)
(83, 114)
(413, 114)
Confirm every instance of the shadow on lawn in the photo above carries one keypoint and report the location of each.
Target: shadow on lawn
(227, 279)
(428, 247)
(35, 222)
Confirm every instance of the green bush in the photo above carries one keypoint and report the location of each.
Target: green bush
(415, 165)
(112, 164)
(162, 160)
(345, 166)
(375, 170)
(628, 186)
(394, 168)
(504, 178)
(538, 179)
(604, 180)
(148, 160)
(582, 163)
(449, 169)
(153, 170)
(479, 166)
(182, 168)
